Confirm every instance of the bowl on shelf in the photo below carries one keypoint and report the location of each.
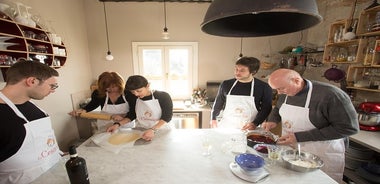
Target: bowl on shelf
(249, 162)
(3, 7)
(305, 163)
(5, 38)
(4, 45)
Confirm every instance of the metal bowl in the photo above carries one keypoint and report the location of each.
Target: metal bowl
(369, 119)
(307, 162)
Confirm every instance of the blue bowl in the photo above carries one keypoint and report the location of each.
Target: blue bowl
(249, 162)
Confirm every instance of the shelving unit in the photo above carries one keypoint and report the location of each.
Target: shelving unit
(29, 43)
(363, 72)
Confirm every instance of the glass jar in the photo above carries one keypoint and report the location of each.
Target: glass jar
(352, 50)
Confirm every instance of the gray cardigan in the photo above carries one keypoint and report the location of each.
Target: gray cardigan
(330, 111)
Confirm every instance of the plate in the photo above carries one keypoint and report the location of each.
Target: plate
(4, 46)
(254, 177)
(5, 38)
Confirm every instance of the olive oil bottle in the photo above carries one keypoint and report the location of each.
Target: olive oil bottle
(76, 168)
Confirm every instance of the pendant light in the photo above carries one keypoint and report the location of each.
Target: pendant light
(241, 48)
(165, 33)
(109, 56)
(255, 18)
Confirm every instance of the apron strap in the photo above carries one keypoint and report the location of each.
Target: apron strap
(12, 106)
(233, 85)
(152, 91)
(106, 101)
(308, 97)
(308, 94)
(253, 83)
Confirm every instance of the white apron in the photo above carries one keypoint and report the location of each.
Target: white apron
(239, 110)
(118, 109)
(296, 119)
(148, 113)
(38, 153)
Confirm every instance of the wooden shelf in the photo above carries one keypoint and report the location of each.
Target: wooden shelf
(365, 89)
(29, 41)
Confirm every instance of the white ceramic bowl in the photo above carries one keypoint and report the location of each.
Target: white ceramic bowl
(4, 46)
(3, 7)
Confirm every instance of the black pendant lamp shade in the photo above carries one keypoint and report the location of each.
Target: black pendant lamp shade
(255, 18)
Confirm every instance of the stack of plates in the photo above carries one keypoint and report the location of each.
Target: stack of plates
(356, 155)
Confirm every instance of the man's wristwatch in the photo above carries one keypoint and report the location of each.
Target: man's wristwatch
(117, 123)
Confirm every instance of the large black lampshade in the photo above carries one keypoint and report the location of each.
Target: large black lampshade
(255, 18)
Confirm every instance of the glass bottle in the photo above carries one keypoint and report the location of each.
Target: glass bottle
(76, 168)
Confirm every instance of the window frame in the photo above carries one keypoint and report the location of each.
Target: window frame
(193, 71)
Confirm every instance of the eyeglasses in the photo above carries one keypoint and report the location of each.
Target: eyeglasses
(53, 86)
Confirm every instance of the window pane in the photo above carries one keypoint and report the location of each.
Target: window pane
(152, 63)
(179, 70)
(156, 84)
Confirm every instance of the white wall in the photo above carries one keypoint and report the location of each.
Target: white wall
(130, 21)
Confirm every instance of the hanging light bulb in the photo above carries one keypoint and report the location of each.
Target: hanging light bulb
(165, 33)
(109, 56)
(241, 48)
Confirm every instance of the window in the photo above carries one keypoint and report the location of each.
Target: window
(168, 66)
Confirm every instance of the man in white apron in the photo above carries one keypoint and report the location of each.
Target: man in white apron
(243, 102)
(39, 150)
(239, 110)
(300, 126)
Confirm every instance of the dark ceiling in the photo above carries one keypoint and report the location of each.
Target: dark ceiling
(181, 1)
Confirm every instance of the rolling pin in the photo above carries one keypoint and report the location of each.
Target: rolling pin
(92, 115)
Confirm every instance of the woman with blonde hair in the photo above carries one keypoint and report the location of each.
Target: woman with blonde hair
(113, 99)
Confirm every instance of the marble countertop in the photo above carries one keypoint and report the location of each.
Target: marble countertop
(172, 157)
(368, 139)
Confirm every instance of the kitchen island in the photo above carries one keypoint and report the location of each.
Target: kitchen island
(172, 157)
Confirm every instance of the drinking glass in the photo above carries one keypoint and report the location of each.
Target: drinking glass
(274, 154)
(206, 145)
(239, 143)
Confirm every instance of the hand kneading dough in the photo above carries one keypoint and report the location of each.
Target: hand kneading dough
(122, 138)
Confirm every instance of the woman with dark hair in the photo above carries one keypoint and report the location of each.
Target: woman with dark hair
(154, 109)
(246, 101)
(113, 99)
